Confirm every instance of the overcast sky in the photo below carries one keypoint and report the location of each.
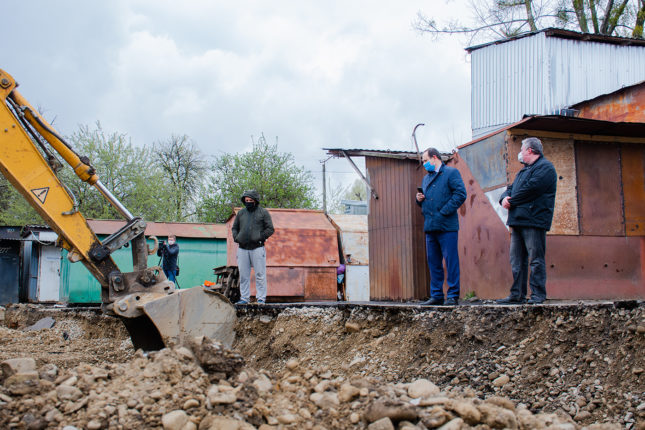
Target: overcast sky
(314, 74)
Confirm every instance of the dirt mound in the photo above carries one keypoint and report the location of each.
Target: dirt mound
(77, 336)
(585, 361)
(480, 366)
(171, 389)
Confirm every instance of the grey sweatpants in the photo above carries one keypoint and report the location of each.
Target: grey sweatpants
(256, 258)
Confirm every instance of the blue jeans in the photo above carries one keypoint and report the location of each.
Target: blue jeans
(442, 245)
(170, 274)
(528, 247)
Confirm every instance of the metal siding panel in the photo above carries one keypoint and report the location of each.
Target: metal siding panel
(288, 282)
(633, 171)
(599, 189)
(393, 272)
(483, 242)
(486, 161)
(539, 75)
(595, 267)
(9, 271)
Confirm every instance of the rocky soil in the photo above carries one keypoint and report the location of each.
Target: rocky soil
(565, 367)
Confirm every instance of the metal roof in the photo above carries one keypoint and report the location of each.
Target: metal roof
(573, 125)
(387, 153)
(567, 34)
(179, 229)
(382, 153)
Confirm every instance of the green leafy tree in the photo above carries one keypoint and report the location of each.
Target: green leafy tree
(129, 172)
(183, 166)
(14, 209)
(274, 175)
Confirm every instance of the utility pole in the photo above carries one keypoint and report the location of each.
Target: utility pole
(324, 189)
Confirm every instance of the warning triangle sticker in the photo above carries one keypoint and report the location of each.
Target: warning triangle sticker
(40, 193)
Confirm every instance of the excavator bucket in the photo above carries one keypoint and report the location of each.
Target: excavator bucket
(177, 318)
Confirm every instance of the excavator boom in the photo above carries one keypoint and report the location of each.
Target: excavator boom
(154, 312)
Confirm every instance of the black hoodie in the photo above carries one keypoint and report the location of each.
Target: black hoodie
(252, 228)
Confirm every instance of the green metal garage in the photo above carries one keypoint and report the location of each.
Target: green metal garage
(202, 247)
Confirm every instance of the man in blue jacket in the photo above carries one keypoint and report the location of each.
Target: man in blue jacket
(530, 200)
(443, 192)
(169, 252)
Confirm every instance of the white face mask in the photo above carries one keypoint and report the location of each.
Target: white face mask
(519, 157)
(171, 242)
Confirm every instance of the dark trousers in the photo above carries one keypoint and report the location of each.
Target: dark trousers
(528, 247)
(442, 245)
(170, 274)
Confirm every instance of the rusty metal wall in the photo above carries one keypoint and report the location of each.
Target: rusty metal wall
(483, 242)
(595, 267)
(599, 189)
(626, 105)
(398, 269)
(302, 255)
(633, 171)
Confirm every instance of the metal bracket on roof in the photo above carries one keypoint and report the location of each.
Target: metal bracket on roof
(372, 190)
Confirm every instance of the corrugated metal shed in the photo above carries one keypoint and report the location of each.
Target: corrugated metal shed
(543, 72)
(201, 248)
(302, 255)
(591, 251)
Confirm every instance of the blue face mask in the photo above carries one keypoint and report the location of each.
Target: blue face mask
(428, 166)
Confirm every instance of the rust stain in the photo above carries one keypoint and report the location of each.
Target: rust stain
(627, 105)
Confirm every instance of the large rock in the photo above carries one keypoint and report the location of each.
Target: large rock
(347, 392)
(177, 420)
(16, 365)
(47, 322)
(22, 383)
(465, 410)
(216, 358)
(382, 424)
(325, 400)
(68, 392)
(212, 422)
(422, 388)
(263, 384)
(394, 411)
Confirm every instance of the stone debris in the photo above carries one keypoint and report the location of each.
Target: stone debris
(459, 369)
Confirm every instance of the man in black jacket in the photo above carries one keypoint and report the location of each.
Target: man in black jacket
(530, 201)
(251, 228)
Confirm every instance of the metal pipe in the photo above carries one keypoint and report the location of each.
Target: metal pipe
(113, 200)
(414, 136)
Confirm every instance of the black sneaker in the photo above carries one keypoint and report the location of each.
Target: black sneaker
(535, 301)
(510, 300)
(451, 301)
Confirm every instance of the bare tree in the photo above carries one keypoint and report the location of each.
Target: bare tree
(495, 19)
(183, 166)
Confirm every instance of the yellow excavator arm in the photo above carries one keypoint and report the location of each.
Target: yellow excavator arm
(144, 298)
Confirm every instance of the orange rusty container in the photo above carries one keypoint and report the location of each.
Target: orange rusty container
(302, 255)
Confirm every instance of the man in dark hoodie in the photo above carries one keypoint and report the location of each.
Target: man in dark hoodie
(251, 228)
(169, 252)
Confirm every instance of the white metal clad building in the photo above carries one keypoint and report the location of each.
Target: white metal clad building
(546, 71)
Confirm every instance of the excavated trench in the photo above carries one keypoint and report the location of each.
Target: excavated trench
(580, 363)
